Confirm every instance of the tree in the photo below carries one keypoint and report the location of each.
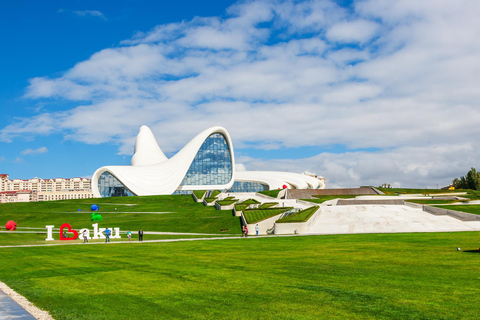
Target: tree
(470, 181)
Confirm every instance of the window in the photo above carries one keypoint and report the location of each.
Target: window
(246, 186)
(109, 186)
(212, 164)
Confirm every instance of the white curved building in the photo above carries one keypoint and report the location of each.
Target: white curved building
(205, 163)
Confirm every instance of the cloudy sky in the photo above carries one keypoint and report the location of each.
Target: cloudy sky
(361, 92)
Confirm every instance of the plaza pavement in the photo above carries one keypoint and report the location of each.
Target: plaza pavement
(384, 219)
(10, 310)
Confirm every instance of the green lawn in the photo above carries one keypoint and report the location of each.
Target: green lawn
(199, 193)
(369, 276)
(271, 193)
(183, 215)
(322, 199)
(267, 205)
(227, 202)
(469, 208)
(392, 191)
(300, 216)
(255, 215)
(431, 201)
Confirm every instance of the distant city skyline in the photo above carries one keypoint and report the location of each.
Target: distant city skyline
(361, 92)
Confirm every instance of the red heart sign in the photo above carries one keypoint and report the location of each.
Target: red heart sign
(66, 225)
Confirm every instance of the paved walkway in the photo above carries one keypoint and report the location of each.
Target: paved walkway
(384, 219)
(10, 310)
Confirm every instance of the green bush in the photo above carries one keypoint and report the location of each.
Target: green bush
(300, 216)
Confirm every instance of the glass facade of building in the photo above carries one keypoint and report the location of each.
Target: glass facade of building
(246, 186)
(109, 186)
(212, 164)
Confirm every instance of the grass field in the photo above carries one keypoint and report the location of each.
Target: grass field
(376, 276)
(182, 214)
(469, 208)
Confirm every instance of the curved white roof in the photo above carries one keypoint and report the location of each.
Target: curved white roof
(152, 173)
(276, 179)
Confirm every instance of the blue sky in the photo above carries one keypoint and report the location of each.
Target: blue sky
(362, 92)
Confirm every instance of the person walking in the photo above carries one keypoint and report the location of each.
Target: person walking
(85, 237)
(129, 235)
(256, 229)
(140, 235)
(107, 235)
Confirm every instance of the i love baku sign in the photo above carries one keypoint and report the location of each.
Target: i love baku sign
(97, 232)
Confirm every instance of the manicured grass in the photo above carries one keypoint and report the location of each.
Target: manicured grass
(199, 193)
(256, 215)
(300, 216)
(322, 199)
(250, 201)
(267, 205)
(182, 215)
(210, 200)
(391, 191)
(369, 276)
(215, 193)
(432, 201)
(241, 207)
(469, 208)
(227, 202)
(271, 193)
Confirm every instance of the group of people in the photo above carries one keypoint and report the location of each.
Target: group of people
(108, 232)
(245, 230)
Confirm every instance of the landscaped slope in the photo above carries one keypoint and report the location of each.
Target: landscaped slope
(363, 276)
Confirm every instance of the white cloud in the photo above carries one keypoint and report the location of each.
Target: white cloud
(353, 31)
(85, 13)
(35, 151)
(398, 77)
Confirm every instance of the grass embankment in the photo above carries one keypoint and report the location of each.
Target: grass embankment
(271, 193)
(256, 215)
(322, 199)
(180, 214)
(431, 201)
(199, 193)
(300, 216)
(369, 276)
(469, 208)
(393, 191)
(267, 205)
(227, 202)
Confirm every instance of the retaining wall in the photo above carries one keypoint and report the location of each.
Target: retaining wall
(263, 225)
(452, 213)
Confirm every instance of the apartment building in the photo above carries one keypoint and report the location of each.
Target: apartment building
(18, 196)
(47, 189)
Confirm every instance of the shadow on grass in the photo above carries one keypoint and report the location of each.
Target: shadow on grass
(472, 251)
